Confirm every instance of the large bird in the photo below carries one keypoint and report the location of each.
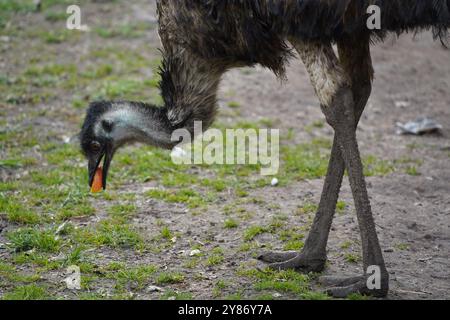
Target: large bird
(202, 39)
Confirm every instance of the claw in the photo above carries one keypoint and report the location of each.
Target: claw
(341, 287)
(293, 263)
(329, 281)
(344, 292)
(277, 256)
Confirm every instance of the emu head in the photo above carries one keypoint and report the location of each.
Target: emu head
(189, 83)
(97, 139)
(110, 125)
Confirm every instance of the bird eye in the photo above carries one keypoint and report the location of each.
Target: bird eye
(95, 146)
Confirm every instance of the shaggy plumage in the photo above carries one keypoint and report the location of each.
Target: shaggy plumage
(255, 31)
(204, 38)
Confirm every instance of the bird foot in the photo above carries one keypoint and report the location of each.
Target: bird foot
(277, 256)
(342, 287)
(292, 260)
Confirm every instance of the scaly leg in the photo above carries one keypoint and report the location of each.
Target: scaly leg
(326, 76)
(340, 115)
(355, 59)
(313, 255)
(343, 85)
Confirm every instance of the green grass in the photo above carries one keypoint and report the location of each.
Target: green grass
(53, 69)
(216, 257)
(315, 125)
(56, 36)
(305, 161)
(27, 292)
(111, 233)
(233, 104)
(412, 170)
(17, 163)
(307, 208)
(133, 30)
(340, 206)
(254, 231)
(96, 72)
(17, 212)
(9, 273)
(166, 233)
(56, 16)
(25, 239)
(135, 277)
(188, 196)
(293, 245)
(122, 210)
(352, 258)
(402, 246)
(376, 167)
(176, 295)
(169, 278)
(288, 281)
(235, 296)
(357, 296)
(313, 295)
(38, 259)
(230, 224)
(346, 244)
(214, 260)
(120, 89)
(76, 211)
(8, 8)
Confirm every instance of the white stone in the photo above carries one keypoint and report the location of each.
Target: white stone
(177, 152)
(195, 252)
(154, 289)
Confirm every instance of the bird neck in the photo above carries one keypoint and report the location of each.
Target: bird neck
(165, 126)
(139, 122)
(189, 88)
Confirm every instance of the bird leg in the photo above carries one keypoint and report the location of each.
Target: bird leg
(320, 62)
(354, 56)
(313, 256)
(340, 115)
(351, 76)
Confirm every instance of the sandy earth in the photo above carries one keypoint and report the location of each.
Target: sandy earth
(411, 212)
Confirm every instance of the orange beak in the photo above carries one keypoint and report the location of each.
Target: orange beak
(97, 183)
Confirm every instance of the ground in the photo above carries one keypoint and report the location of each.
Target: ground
(143, 230)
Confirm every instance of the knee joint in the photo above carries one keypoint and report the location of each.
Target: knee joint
(341, 109)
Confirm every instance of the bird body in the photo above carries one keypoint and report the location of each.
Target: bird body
(256, 31)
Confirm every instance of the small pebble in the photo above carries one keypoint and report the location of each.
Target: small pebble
(154, 289)
(274, 182)
(194, 252)
(402, 104)
(178, 153)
